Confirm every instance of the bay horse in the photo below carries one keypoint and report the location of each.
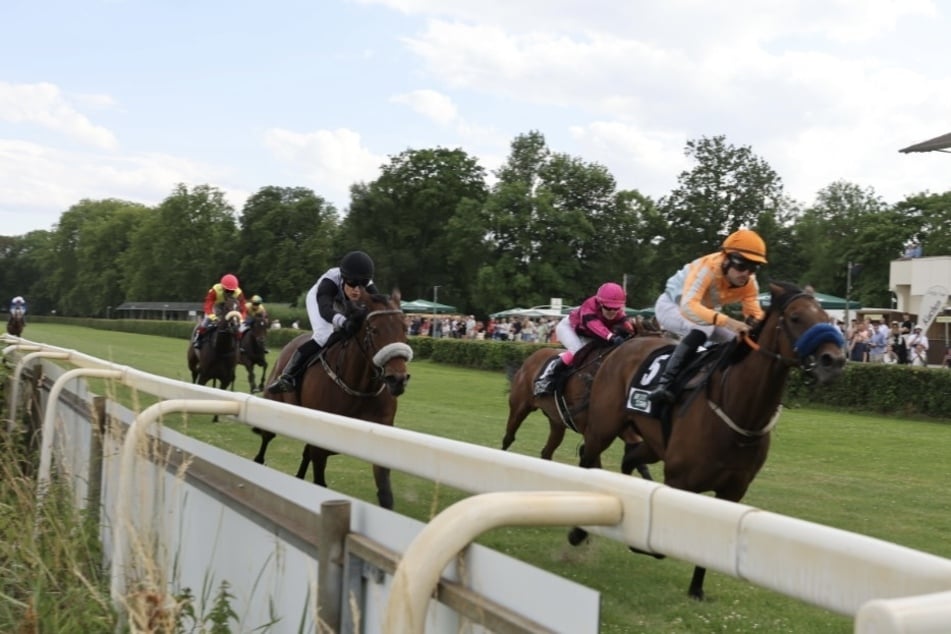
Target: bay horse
(217, 358)
(719, 431)
(16, 323)
(569, 413)
(252, 350)
(359, 376)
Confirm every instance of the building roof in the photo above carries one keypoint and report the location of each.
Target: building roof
(937, 144)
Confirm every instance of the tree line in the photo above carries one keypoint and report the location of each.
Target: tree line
(548, 225)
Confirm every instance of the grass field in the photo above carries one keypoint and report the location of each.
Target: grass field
(877, 476)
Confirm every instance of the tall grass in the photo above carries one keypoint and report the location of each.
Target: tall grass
(882, 477)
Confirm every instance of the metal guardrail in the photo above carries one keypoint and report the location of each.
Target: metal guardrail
(886, 587)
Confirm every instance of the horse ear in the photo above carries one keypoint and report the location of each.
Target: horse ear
(395, 296)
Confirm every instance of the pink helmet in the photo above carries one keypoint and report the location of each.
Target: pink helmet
(229, 282)
(611, 295)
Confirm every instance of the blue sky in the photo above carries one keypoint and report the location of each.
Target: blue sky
(125, 99)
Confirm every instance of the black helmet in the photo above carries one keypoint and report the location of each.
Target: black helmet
(358, 266)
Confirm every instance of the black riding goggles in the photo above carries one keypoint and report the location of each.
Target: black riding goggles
(354, 283)
(742, 264)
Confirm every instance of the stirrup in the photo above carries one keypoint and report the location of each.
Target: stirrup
(662, 395)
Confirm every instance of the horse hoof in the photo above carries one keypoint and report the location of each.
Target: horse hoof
(577, 536)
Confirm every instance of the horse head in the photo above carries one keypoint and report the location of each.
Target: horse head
(799, 332)
(382, 338)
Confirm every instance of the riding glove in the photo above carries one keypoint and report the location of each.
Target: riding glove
(616, 340)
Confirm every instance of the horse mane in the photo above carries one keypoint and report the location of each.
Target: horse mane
(738, 349)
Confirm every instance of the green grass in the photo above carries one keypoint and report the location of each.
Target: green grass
(882, 477)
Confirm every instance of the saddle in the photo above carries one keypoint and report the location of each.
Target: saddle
(694, 375)
(589, 359)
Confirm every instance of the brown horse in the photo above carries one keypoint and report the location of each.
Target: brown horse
(569, 413)
(216, 359)
(16, 323)
(359, 376)
(718, 434)
(252, 351)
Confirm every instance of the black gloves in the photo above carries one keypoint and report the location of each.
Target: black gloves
(616, 340)
(352, 325)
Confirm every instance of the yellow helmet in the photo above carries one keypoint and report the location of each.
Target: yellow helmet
(256, 299)
(746, 243)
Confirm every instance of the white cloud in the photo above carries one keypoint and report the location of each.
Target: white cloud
(332, 160)
(429, 103)
(43, 104)
(39, 179)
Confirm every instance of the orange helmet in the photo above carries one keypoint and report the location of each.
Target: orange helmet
(229, 282)
(747, 244)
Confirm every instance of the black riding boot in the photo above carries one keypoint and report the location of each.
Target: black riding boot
(196, 342)
(546, 382)
(295, 367)
(680, 357)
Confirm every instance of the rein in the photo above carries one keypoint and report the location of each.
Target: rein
(805, 346)
(379, 359)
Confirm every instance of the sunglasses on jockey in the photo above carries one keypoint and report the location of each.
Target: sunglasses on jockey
(743, 265)
(355, 283)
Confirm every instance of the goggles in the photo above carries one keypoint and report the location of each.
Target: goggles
(742, 264)
(355, 283)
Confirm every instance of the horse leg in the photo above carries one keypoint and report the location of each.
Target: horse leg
(590, 453)
(696, 583)
(304, 463)
(634, 460)
(251, 378)
(556, 433)
(384, 493)
(319, 459)
(263, 374)
(519, 409)
(266, 438)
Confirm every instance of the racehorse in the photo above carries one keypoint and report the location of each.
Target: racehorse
(572, 412)
(718, 434)
(359, 376)
(252, 350)
(216, 359)
(16, 323)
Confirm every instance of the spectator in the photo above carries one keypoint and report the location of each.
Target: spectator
(918, 347)
(897, 341)
(859, 343)
(947, 357)
(890, 356)
(877, 342)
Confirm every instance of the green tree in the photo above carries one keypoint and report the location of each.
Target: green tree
(729, 188)
(26, 262)
(927, 218)
(402, 220)
(183, 247)
(286, 238)
(848, 223)
(551, 229)
(86, 241)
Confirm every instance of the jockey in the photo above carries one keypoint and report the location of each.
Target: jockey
(689, 305)
(253, 309)
(217, 295)
(326, 306)
(18, 306)
(598, 317)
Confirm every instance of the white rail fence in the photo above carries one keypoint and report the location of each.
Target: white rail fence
(216, 526)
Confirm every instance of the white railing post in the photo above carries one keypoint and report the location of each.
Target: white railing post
(452, 530)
